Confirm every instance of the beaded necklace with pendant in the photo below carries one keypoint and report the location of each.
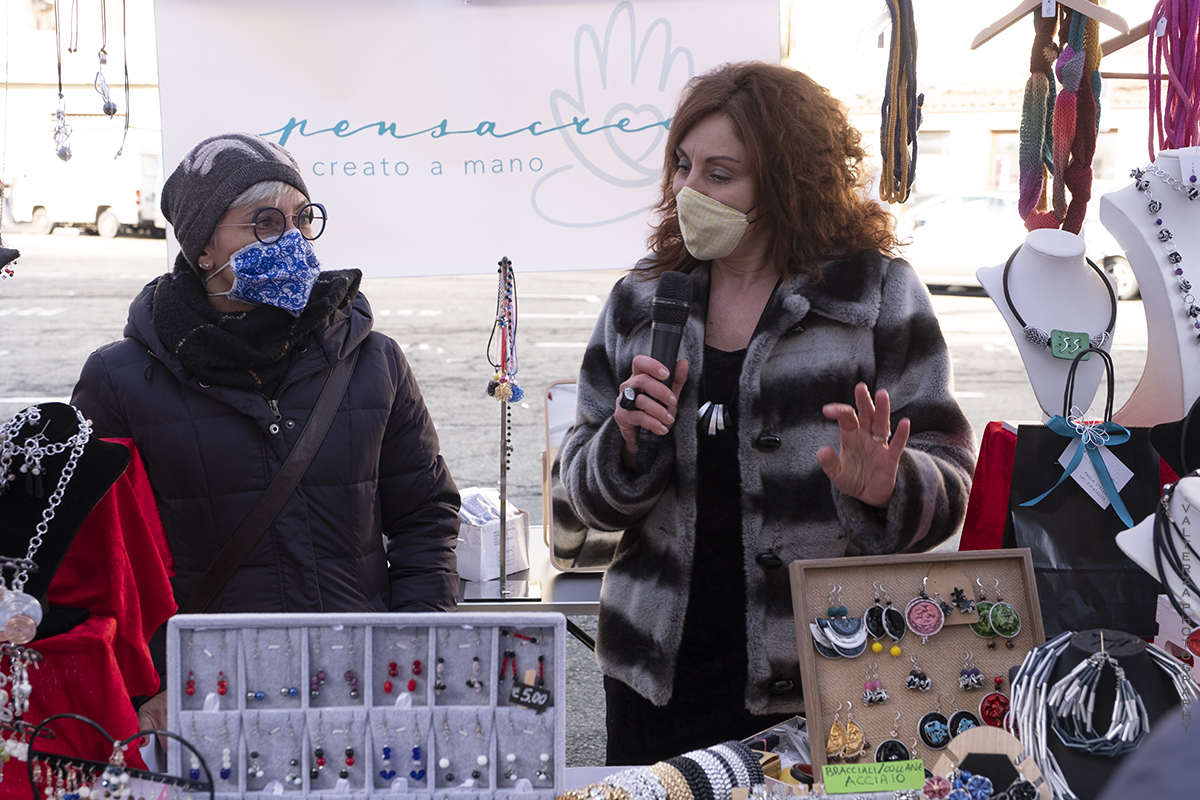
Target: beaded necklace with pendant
(1174, 257)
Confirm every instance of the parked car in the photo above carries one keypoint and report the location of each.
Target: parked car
(953, 235)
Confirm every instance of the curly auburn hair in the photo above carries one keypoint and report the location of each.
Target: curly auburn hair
(806, 161)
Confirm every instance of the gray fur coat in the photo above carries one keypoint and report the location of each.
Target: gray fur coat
(869, 320)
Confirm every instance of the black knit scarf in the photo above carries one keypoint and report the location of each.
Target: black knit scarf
(245, 349)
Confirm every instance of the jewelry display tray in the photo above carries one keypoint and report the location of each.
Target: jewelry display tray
(457, 723)
(828, 682)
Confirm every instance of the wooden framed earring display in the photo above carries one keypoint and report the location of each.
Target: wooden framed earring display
(836, 685)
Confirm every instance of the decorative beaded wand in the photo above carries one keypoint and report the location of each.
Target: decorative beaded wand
(503, 387)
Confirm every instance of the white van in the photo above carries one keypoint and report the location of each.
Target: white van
(94, 191)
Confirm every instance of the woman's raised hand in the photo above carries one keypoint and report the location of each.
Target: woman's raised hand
(864, 466)
(654, 406)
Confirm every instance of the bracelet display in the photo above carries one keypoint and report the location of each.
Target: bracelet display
(695, 776)
(719, 776)
(668, 776)
(641, 783)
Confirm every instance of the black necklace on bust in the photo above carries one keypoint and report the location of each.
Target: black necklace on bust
(1040, 338)
(1174, 258)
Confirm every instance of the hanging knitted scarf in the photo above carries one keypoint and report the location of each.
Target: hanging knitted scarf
(1175, 116)
(245, 350)
(901, 108)
(1036, 157)
(1071, 126)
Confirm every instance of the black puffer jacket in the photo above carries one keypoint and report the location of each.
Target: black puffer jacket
(372, 525)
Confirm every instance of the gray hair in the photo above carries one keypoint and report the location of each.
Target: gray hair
(262, 193)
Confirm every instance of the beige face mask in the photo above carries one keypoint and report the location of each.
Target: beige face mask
(710, 228)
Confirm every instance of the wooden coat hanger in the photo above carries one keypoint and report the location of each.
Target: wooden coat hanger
(1109, 18)
(1116, 43)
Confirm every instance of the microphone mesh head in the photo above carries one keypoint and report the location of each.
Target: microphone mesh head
(672, 299)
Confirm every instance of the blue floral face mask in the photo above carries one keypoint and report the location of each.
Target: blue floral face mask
(280, 274)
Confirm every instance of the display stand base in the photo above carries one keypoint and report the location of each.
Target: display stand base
(493, 591)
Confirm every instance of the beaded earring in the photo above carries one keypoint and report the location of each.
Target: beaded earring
(970, 677)
(917, 679)
(481, 760)
(473, 682)
(251, 694)
(417, 773)
(194, 771)
(884, 620)
(294, 777)
(318, 674)
(444, 761)
(226, 752)
(847, 635)
(288, 691)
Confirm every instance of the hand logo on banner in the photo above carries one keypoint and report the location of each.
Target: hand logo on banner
(611, 77)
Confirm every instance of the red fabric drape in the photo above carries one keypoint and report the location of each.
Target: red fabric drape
(119, 568)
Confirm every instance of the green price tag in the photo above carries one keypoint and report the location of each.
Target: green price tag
(1068, 344)
(885, 776)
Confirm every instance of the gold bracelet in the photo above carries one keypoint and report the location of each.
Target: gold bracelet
(671, 778)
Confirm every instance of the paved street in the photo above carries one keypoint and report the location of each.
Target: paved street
(71, 294)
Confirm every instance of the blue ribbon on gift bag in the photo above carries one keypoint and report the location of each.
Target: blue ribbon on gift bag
(1092, 436)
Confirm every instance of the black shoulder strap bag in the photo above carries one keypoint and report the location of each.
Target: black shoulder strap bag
(268, 506)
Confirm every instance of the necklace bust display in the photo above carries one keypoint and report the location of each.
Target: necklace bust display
(1153, 220)
(53, 471)
(1048, 291)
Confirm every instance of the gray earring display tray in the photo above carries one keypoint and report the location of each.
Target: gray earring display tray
(370, 705)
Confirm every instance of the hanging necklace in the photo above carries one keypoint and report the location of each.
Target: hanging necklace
(1062, 344)
(1154, 207)
(503, 385)
(20, 613)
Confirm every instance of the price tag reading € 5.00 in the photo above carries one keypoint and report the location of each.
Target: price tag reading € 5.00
(1068, 344)
(536, 697)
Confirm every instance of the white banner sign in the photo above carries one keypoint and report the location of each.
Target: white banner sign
(442, 134)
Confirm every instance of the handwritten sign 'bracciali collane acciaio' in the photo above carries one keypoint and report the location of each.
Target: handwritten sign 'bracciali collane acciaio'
(886, 776)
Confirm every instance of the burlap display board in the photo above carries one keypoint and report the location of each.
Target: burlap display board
(828, 682)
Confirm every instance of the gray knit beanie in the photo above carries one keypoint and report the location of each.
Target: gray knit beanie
(212, 175)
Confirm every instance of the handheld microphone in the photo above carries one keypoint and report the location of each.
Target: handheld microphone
(668, 316)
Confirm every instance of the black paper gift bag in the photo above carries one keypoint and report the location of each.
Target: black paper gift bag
(1084, 580)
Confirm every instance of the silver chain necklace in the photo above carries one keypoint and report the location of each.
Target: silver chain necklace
(1174, 257)
(20, 613)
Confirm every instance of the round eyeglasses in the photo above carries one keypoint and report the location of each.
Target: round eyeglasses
(270, 223)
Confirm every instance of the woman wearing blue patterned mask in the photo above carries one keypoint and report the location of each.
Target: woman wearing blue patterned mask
(219, 374)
